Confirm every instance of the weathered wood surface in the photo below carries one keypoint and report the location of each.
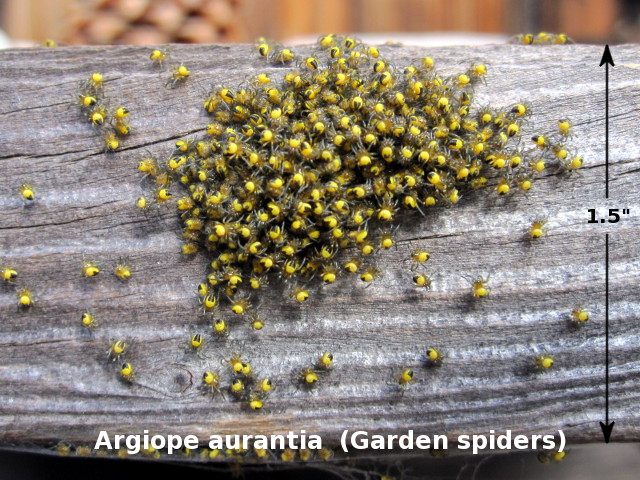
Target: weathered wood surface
(55, 382)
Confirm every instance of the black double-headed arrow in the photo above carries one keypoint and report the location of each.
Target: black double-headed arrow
(607, 427)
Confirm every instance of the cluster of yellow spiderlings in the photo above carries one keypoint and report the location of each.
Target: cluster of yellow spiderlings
(25, 295)
(8, 273)
(290, 174)
(238, 455)
(179, 73)
(542, 38)
(93, 105)
(88, 320)
(309, 376)
(244, 386)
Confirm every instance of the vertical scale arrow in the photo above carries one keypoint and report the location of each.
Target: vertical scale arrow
(607, 427)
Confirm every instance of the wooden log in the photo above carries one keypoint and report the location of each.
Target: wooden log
(56, 382)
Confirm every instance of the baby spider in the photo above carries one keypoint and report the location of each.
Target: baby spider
(325, 361)
(422, 280)
(126, 372)
(579, 316)
(255, 401)
(264, 387)
(308, 377)
(237, 387)
(544, 362)
(118, 348)
(27, 192)
(479, 287)
(553, 456)
(369, 275)
(239, 366)
(537, 230)
(89, 321)
(89, 269)
(220, 328)
(419, 256)
(211, 383)
(122, 270)
(8, 274)
(404, 379)
(434, 357)
(196, 342)
(158, 56)
(25, 298)
(178, 74)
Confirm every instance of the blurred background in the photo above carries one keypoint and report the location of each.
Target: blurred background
(148, 22)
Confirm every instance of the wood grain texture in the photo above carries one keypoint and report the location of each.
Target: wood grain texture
(55, 380)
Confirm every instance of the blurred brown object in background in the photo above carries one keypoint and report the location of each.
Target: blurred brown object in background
(587, 20)
(145, 22)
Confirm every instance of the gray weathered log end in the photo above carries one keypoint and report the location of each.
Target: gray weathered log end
(56, 382)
